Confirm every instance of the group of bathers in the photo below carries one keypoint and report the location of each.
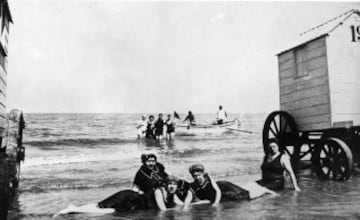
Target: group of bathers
(150, 128)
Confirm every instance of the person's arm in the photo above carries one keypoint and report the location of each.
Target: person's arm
(159, 198)
(139, 125)
(189, 197)
(135, 188)
(177, 200)
(287, 165)
(217, 190)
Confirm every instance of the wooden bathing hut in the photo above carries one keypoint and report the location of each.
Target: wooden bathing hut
(11, 125)
(319, 75)
(5, 20)
(319, 117)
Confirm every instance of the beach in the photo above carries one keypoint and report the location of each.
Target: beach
(84, 158)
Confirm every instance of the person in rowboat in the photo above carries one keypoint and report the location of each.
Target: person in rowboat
(191, 119)
(221, 116)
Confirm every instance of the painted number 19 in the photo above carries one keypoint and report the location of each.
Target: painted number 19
(355, 33)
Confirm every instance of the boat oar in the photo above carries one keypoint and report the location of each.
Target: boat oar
(240, 130)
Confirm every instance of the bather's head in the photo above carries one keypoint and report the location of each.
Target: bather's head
(274, 148)
(149, 160)
(197, 172)
(171, 184)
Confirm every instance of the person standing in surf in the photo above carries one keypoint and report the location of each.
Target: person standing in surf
(149, 133)
(170, 127)
(141, 127)
(149, 177)
(273, 167)
(159, 127)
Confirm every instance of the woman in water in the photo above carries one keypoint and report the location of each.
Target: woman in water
(170, 127)
(273, 168)
(172, 194)
(159, 127)
(205, 190)
(149, 133)
(149, 177)
(141, 127)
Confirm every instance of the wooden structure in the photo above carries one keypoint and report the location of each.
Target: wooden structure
(319, 77)
(5, 20)
(11, 125)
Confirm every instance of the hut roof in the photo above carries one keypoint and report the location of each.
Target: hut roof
(321, 30)
(6, 10)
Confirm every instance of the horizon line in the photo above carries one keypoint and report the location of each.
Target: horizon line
(137, 113)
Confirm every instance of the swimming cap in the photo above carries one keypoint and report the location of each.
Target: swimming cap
(170, 179)
(145, 157)
(196, 168)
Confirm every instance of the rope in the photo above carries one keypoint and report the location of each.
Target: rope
(328, 21)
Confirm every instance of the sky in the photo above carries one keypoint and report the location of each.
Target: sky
(104, 56)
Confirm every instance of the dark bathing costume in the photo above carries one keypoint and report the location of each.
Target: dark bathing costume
(229, 191)
(128, 200)
(147, 180)
(272, 173)
(159, 125)
(170, 127)
(149, 131)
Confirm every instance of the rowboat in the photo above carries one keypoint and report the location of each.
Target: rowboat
(233, 125)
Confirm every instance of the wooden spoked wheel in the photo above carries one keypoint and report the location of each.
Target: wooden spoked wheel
(281, 128)
(332, 159)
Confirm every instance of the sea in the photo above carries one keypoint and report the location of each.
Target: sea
(84, 158)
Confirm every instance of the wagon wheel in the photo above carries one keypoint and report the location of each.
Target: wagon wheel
(332, 159)
(280, 126)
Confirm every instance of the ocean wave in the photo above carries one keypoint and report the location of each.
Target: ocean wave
(186, 152)
(190, 152)
(81, 158)
(47, 185)
(79, 142)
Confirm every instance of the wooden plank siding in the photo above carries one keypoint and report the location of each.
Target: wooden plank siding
(306, 98)
(3, 85)
(2, 90)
